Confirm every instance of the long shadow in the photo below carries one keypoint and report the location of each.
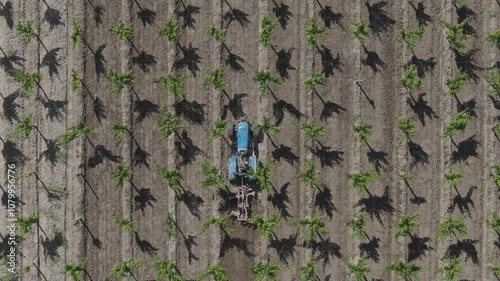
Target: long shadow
(193, 202)
(279, 108)
(53, 17)
(7, 61)
(282, 13)
(235, 106)
(99, 61)
(463, 246)
(146, 15)
(380, 21)
(144, 61)
(144, 109)
(143, 199)
(370, 249)
(55, 108)
(495, 101)
(375, 205)
(98, 12)
(467, 63)
(50, 246)
(101, 153)
(235, 14)
(144, 245)
(285, 247)
(235, 62)
(422, 17)
(283, 62)
(327, 156)
(324, 201)
(141, 157)
(12, 154)
(326, 250)
(95, 241)
(50, 60)
(466, 148)
(329, 62)
(6, 11)
(328, 16)
(466, 12)
(417, 153)
(189, 242)
(187, 149)
(99, 109)
(285, 153)
(235, 243)
(372, 59)
(463, 202)
(280, 200)
(10, 107)
(192, 111)
(469, 106)
(418, 247)
(329, 108)
(189, 59)
(52, 152)
(377, 158)
(418, 200)
(422, 65)
(421, 108)
(187, 14)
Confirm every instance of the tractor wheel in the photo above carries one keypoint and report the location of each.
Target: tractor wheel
(230, 130)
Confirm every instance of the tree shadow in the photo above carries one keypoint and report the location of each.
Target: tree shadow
(418, 247)
(187, 15)
(8, 60)
(237, 15)
(141, 157)
(146, 16)
(418, 154)
(239, 244)
(379, 19)
(495, 101)
(283, 63)
(235, 106)
(463, 13)
(50, 60)
(279, 200)
(467, 63)
(143, 199)
(375, 205)
(144, 108)
(187, 149)
(101, 153)
(12, 154)
(279, 108)
(422, 17)
(53, 17)
(463, 202)
(422, 65)
(52, 152)
(55, 108)
(144, 245)
(282, 13)
(99, 61)
(329, 62)
(285, 247)
(370, 249)
(189, 242)
(193, 202)
(329, 17)
(327, 156)
(189, 59)
(377, 158)
(326, 250)
(144, 61)
(324, 202)
(6, 11)
(98, 12)
(192, 111)
(466, 148)
(463, 246)
(99, 109)
(286, 153)
(421, 108)
(372, 59)
(329, 108)
(235, 62)
(469, 106)
(50, 246)
(10, 107)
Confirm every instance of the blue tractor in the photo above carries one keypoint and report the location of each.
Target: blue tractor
(243, 160)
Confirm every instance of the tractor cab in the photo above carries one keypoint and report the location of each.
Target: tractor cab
(243, 160)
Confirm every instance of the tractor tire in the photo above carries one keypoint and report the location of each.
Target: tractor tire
(230, 130)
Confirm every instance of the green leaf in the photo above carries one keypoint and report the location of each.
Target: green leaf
(360, 31)
(266, 30)
(120, 79)
(172, 82)
(218, 34)
(314, 31)
(170, 30)
(122, 31)
(216, 78)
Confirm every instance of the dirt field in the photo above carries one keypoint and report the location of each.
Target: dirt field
(73, 182)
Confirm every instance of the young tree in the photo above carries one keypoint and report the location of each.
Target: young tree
(496, 271)
(364, 131)
(410, 79)
(361, 180)
(406, 224)
(493, 79)
(456, 34)
(28, 81)
(309, 177)
(77, 34)
(496, 129)
(266, 30)
(166, 269)
(495, 175)
(450, 226)
(80, 129)
(212, 177)
(121, 80)
(170, 226)
(216, 78)
(219, 129)
(122, 31)
(452, 178)
(123, 223)
(222, 222)
(75, 269)
(316, 79)
(262, 175)
(217, 272)
(457, 123)
(452, 269)
(265, 271)
(315, 132)
(494, 223)
(494, 38)
(172, 178)
(119, 131)
(360, 31)
(359, 269)
(125, 268)
(314, 31)
(218, 34)
(407, 126)
(266, 226)
(410, 37)
(313, 225)
(357, 225)
(170, 30)
(25, 31)
(456, 83)
(76, 82)
(25, 223)
(23, 129)
(265, 78)
(172, 82)
(121, 174)
(308, 271)
(267, 127)
(167, 123)
(409, 271)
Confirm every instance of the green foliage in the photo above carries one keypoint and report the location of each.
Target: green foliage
(219, 129)
(266, 226)
(316, 79)
(120, 79)
(170, 30)
(452, 226)
(360, 31)
(262, 175)
(215, 77)
(314, 31)
(217, 272)
(74, 269)
(410, 36)
(122, 31)
(361, 180)
(121, 174)
(76, 82)
(171, 178)
(265, 78)
(25, 223)
(456, 83)
(267, 127)
(493, 78)
(307, 271)
(457, 123)
(459, 2)
(267, 29)
(167, 123)
(406, 176)
(123, 223)
(456, 34)
(405, 270)
(218, 34)
(172, 82)
(25, 31)
(28, 81)
(170, 225)
(119, 131)
(496, 128)
(452, 269)
(212, 177)
(406, 224)
(410, 79)
(166, 269)
(265, 271)
(494, 223)
(77, 34)
(495, 270)
(72, 132)
(314, 225)
(125, 267)
(357, 225)
(454, 178)
(23, 129)
(495, 175)
(309, 177)
(359, 269)
(315, 132)
(364, 131)
(407, 126)
(494, 37)
(222, 222)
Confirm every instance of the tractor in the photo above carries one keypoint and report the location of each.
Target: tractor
(243, 160)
